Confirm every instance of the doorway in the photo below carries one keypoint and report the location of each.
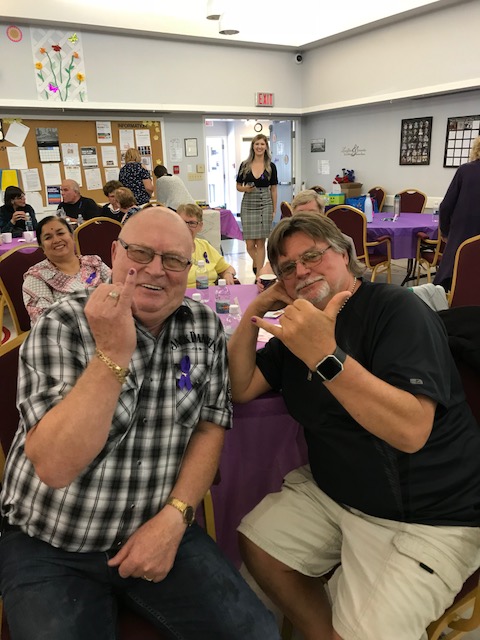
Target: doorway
(216, 174)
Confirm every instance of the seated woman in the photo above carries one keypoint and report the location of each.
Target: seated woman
(126, 203)
(13, 214)
(62, 271)
(109, 209)
(217, 266)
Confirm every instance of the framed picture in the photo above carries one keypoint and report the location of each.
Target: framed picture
(461, 132)
(416, 140)
(191, 148)
(317, 145)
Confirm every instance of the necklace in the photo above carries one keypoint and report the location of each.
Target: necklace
(351, 292)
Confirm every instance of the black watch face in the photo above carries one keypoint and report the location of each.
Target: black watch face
(330, 367)
(189, 515)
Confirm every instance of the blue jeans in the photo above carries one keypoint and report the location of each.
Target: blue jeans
(51, 594)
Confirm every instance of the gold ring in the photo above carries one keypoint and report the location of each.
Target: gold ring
(148, 579)
(114, 294)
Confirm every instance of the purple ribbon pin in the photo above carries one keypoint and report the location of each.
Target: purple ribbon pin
(184, 381)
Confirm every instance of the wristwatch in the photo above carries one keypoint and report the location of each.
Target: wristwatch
(331, 366)
(185, 509)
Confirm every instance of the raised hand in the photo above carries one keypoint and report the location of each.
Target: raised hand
(109, 312)
(306, 331)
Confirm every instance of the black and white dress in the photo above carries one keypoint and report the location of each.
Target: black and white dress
(257, 207)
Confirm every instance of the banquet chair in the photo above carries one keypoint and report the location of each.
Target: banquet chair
(131, 626)
(451, 625)
(286, 210)
(429, 253)
(378, 194)
(412, 201)
(353, 222)
(13, 264)
(463, 291)
(95, 237)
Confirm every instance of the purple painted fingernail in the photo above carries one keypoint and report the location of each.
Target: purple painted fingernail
(131, 272)
(253, 320)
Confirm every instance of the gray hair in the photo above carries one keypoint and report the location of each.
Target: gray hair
(316, 227)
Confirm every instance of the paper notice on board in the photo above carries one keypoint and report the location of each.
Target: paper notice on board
(109, 156)
(51, 173)
(175, 150)
(70, 154)
(89, 156)
(111, 173)
(74, 173)
(104, 131)
(142, 138)
(34, 198)
(17, 158)
(16, 134)
(324, 167)
(31, 181)
(93, 179)
(126, 139)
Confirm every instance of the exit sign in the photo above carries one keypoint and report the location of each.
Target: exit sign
(264, 99)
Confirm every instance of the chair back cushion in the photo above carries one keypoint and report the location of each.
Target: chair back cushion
(13, 265)
(286, 210)
(351, 222)
(412, 201)
(95, 238)
(464, 291)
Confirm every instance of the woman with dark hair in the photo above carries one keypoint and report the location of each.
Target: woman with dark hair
(257, 180)
(13, 214)
(62, 272)
(135, 177)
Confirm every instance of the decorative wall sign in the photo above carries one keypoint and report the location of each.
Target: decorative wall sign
(191, 149)
(461, 132)
(416, 140)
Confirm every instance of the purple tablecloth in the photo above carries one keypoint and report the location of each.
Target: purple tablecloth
(403, 232)
(16, 242)
(264, 444)
(229, 226)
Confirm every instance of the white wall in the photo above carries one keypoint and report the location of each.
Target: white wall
(377, 130)
(435, 52)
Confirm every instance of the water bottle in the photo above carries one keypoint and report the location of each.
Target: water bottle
(197, 297)
(368, 208)
(222, 297)
(232, 320)
(201, 281)
(396, 206)
(435, 216)
(79, 219)
(28, 222)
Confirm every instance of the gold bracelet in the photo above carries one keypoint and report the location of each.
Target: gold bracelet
(119, 372)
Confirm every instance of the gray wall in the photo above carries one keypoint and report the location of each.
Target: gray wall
(376, 129)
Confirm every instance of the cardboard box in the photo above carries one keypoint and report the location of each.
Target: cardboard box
(351, 189)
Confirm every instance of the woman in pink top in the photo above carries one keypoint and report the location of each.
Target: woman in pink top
(62, 272)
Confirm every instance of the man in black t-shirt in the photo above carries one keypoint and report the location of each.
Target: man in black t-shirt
(74, 204)
(392, 490)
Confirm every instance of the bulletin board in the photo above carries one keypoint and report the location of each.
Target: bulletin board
(461, 132)
(84, 134)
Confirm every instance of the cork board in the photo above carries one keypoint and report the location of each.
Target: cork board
(83, 133)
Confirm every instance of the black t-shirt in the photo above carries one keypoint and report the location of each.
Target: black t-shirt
(85, 206)
(397, 337)
(264, 180)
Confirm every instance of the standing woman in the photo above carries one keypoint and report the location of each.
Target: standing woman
(459, 213)
(135, 177)
(257, 180)
(13, 214)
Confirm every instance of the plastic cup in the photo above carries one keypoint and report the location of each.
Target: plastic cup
(29, 236)
(267, 279)
(7, 237)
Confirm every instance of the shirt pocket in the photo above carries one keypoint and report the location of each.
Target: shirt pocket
(191, 388)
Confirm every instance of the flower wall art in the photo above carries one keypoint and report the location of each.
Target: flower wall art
(59, 65)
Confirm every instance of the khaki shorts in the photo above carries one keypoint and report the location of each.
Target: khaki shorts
(394, 578)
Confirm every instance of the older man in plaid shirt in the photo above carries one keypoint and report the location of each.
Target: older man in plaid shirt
(124, 402)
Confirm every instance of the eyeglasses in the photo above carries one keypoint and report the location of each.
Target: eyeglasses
(308, 259)
(193, 224)
(145, 255)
